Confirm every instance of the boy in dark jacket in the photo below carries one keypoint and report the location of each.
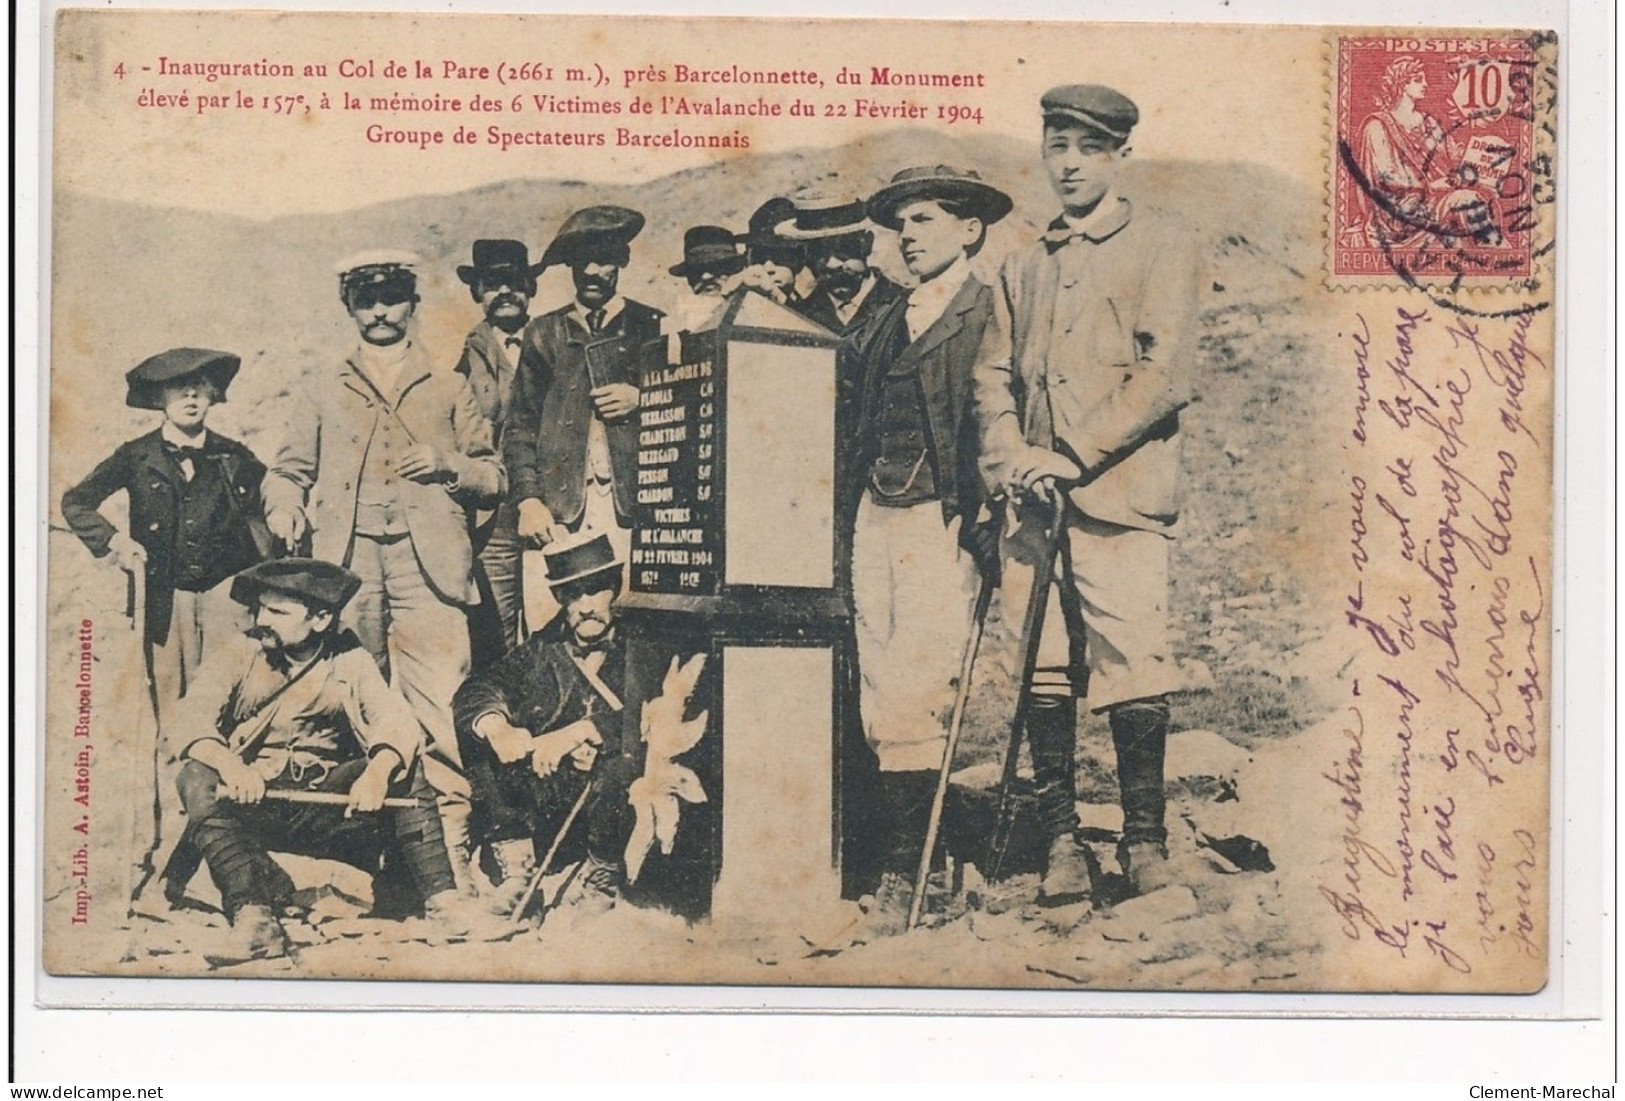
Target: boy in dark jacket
(193, 496)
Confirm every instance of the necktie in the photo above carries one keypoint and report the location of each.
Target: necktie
(595, 322)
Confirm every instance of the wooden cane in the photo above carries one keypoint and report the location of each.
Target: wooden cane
(336, 798)
(552, 850)
(1032, 626)
(984, 599)
(145, 839)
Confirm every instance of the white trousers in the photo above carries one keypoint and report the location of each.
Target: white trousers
(913, 594)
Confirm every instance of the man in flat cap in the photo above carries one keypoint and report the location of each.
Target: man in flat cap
(1080, 400)
(291, 741)
(380, 467)
(571, 443)
(544, 722)
(836, 233)
(502, 280)
(194, 513)
(914, 504)
(774, 265)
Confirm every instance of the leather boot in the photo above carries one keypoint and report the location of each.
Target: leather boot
(256, 934)
(459, 847)
(517, 862)
(1140, 737)
(1052, 739)
(906, 802)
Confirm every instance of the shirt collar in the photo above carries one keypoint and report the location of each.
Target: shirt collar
(845, 312)
(1107, 218)
(928, 301)
(175, 438)
(612, 309)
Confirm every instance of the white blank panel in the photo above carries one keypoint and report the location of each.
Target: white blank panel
(780, 466)
(778, 798)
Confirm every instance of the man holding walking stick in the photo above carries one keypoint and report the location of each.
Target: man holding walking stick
(918, 548)
(1081, 394)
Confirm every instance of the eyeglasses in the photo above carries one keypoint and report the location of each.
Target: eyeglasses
(382, 294)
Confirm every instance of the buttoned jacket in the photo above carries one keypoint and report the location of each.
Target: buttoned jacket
(485, 363)
(945, 355)
(318, 464)
(1093, 354)
(154, 482)
(550, 409)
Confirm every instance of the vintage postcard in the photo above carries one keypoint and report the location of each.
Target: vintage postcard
(1000, 505)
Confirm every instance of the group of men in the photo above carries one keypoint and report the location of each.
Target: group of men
(391, 705)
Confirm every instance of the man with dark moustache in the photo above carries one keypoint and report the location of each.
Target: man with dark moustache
(535, 725)
(572, 437)
(1080, 398)
(291, 741)
(502, 280)
(915, 501)
(381, 468)
(835, 230)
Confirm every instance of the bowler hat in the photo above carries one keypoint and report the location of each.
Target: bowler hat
(1095, 105)
(499, 258)
(317, 583)
(961, 187)
(147, 379)
(709, 248)
(820, 214)
(579, 556)
(601, 233)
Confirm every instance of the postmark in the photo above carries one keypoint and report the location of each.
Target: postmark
(1441, 167)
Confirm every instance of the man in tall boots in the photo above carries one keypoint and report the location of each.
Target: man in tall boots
(1080, 398)
(381, 467)
(502, 280)
(916, 494)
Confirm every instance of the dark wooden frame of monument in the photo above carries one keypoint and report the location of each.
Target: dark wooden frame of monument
(747, 615)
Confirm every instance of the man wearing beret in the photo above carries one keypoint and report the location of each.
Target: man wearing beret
(194, 499)
(917, 493)
(545, 722)
(835, 231)
(1080, 397)
(503, 281)
(571, 442)
(380, 468)
(291, 741)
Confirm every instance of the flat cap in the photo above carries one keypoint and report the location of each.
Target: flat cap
(319, 583)
(147, 379)
(594, 233)
(1096, 105)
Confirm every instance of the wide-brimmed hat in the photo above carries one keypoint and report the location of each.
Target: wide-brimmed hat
(940, 183)
(709, 248)
(1094, 105)
(579, 556)
(496, 260)
(377, 267)
(823, 214)
(147, 379)
(601, 233)
(320, 584)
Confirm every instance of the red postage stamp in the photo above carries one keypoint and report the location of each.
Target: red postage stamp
(1435, 174)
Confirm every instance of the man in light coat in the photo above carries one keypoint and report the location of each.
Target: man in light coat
(380, 470)
(1080, 396)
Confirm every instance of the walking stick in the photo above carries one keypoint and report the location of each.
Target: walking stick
(1032, 627)
(145, 823)
(984, 599)
(552, 850)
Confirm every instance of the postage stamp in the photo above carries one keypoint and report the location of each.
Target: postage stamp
(1436, 175)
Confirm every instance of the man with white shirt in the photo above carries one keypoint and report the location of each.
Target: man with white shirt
(915, 493)
(571, 442)
(381, 467)
(503, 281)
